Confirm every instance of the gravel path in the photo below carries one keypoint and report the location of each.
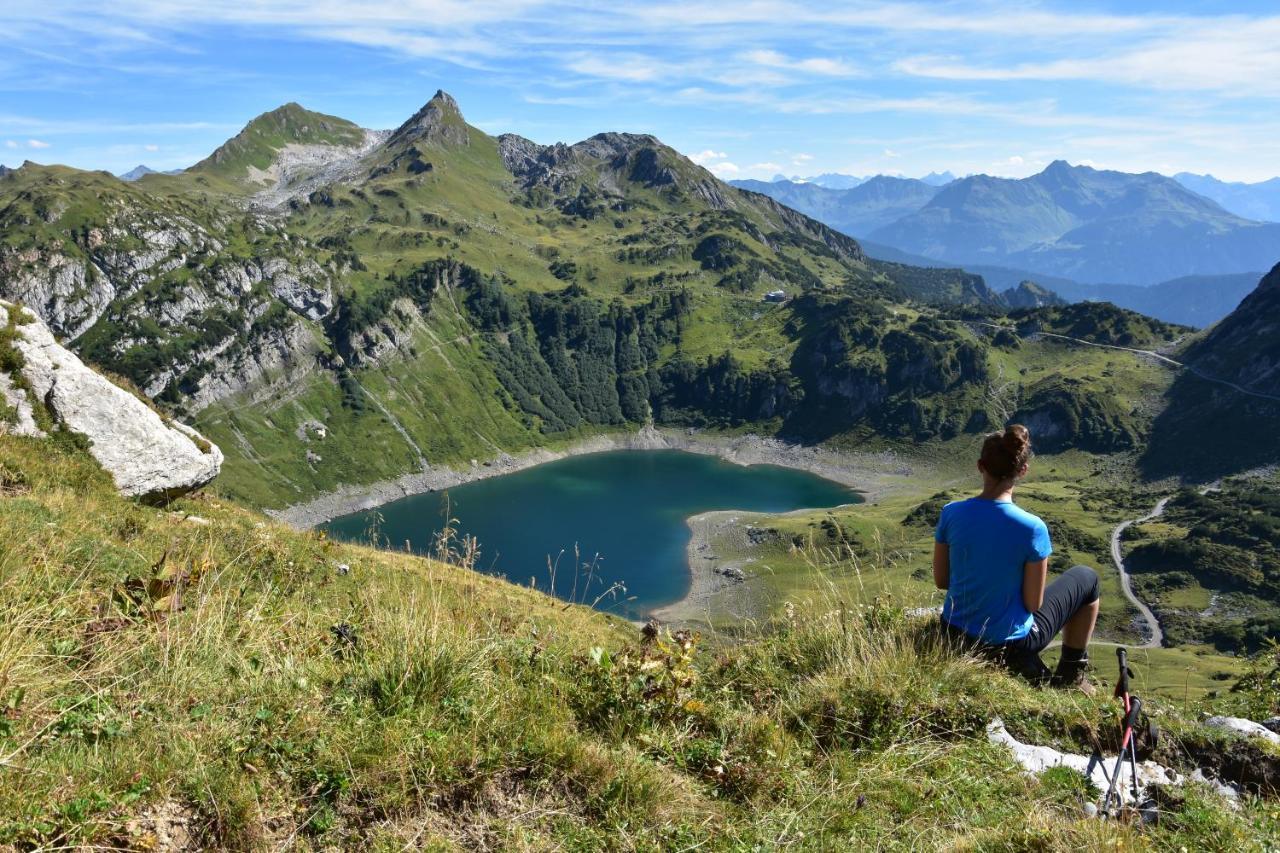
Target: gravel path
(1155, 638)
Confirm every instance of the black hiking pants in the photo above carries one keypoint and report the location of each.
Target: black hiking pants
(1075, 588)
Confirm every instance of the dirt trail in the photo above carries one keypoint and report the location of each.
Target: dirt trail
(1156, 635)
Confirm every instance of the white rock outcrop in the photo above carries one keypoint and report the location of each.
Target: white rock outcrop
(1037, 759)
(147, 456)
(1243, 727)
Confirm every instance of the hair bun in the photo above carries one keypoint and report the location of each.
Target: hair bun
(1005, 454)
(1016, 438)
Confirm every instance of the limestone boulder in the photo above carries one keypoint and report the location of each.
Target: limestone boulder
(149, 457)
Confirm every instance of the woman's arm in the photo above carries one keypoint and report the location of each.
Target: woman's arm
(941, 565)
(1033, 579)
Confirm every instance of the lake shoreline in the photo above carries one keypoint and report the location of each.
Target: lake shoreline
(870, 474)
(707, 581)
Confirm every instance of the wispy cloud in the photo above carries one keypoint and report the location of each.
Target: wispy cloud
(37, 143)
(820, 65)
(971, 79)
(1236, 58)
(633, 68)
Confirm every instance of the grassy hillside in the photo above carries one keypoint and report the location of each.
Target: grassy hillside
(198, 675)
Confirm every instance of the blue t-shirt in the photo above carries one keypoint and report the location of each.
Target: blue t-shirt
(990, 543)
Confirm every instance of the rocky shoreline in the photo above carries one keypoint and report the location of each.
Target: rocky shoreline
(872, 474)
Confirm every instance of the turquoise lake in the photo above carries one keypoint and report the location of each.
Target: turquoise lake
(624, 511)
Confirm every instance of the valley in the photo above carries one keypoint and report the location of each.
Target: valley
(587, 345)
(354, 316)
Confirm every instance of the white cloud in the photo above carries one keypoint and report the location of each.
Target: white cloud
(1233, 56)
(633, 69)
(1015, 160)
(151, 147)
(889, 152)
(801, 159)
(764, 167)
(37, 143)
(704, 158)
(822, 66)
(723, 169)
(9, 143)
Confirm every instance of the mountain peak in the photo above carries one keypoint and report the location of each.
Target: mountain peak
(136, 172)
(439, 121)
(258, 144)
(445, 101)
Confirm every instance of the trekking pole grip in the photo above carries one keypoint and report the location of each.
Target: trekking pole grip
(1135, 709)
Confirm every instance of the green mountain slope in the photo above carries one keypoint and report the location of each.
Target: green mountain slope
(254, 150)
(1223, 415)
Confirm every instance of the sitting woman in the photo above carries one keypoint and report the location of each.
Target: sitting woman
(992, 558)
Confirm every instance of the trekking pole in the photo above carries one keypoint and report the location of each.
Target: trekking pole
(1132, 709)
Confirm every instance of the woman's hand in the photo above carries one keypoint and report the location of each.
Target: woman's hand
(941, 565)
(1034, 576)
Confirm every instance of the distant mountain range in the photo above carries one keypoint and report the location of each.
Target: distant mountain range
(838, 181)
(856, 210)
(1252, 201)
(1084, 233)
(1087, 225)
(140, 170)
(1196, 301)
(1259, 201)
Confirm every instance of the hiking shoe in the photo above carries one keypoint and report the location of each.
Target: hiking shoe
(1073, 674)
(1029, 666)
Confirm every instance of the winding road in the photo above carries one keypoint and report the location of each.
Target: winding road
(1156, 635)
(1147, 353)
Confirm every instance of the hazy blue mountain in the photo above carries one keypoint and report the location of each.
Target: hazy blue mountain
(1197, 300)
(136, 172)
(836, 181)
(1252, 201)
(1193, 300)
(140, 171)
(1084, 224)
(855, 211)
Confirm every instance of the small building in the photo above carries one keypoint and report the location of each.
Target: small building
(776, 296)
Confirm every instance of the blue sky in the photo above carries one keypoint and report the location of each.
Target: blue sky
(748, 88)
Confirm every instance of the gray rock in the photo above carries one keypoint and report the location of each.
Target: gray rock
(1243, 727)
(147, 456)
(1272, 723)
